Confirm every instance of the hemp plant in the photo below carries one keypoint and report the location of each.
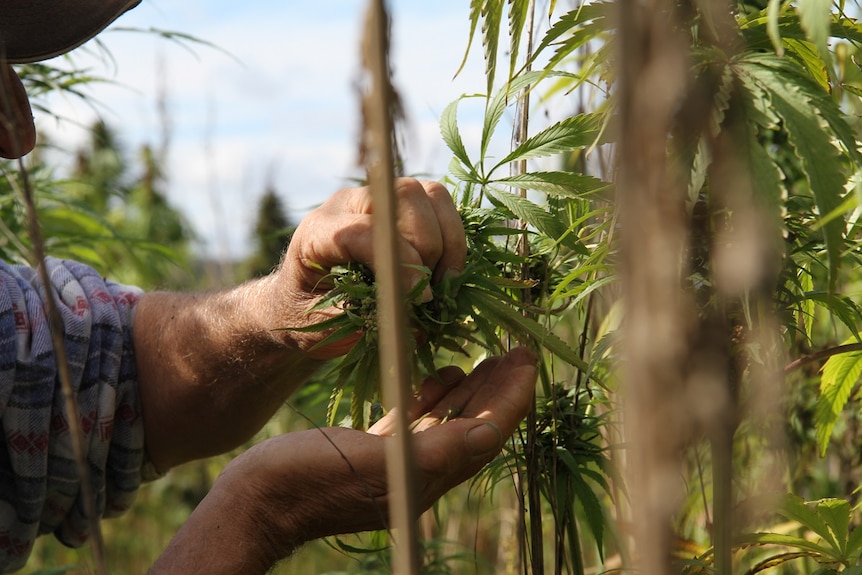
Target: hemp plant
(477, 309)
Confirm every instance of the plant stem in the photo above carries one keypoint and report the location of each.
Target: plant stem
(822, 354)
(532, 459)
(57, 332)
(378, 106)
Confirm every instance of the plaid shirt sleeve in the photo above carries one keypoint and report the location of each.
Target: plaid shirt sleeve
(39, 485)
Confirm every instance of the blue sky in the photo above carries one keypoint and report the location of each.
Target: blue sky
(274, 103)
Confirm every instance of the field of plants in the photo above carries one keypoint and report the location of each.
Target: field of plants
(675, 229)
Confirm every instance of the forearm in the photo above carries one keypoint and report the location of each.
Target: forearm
(221, 537)
(213, 368)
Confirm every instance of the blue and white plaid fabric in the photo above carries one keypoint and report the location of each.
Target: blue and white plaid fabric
(39, 485)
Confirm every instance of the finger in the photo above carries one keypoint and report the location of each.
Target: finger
(421, 230)
(507, 394)
(500, 389)
(452, 230)
(449, 454)
(457, 397)
(433, 389)
(417, 221)
(335, 233)
(341, 231)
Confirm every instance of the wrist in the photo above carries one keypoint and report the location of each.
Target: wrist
(223, 536)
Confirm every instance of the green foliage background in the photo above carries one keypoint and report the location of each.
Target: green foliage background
(783, 85)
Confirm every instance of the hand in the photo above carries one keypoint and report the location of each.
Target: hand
(214, 367)
(340, 231)
(304, 485)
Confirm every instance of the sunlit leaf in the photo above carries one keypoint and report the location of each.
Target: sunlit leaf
(570, 134)
(795, 508)
(504, 97)
(560, 184)
(840, 374)
(492, 16)
(451, 134)
(529, 212)
(475, 14)
(520, 324)
(836, 514)
(517, 21)
(783, 540)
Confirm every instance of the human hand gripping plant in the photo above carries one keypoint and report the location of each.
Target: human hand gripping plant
(466, 309)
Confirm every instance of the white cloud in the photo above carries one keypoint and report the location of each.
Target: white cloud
(281, 106)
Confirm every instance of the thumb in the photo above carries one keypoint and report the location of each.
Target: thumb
(483, 440)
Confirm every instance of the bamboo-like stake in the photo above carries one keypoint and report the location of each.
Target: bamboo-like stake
(531, 455)
(56, 326)
(652, 82)
(392, 322)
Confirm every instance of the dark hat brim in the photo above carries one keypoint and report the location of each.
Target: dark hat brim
(33, 30)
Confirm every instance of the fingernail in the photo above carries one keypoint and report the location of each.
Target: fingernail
(483, 439)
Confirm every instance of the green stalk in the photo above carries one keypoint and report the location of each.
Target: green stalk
(532, 458)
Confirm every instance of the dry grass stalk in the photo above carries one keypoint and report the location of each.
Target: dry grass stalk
(653, 80)
(37, 260)
(378, 107)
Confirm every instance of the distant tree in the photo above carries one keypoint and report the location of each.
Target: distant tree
(153, 238)
(272, 232)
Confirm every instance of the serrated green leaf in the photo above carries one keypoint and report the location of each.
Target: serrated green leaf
(836, 514)
(498, 104)
(812, 145)
(765, 177)
(475, 13)
(699, 165)
(529, 212)
(565, 136)
(558, 184)
(569, 23)
(784, 540)
(839, 307)
(794, 508)
(366, 384)
(592, 510)
(451, 134)
(807, 54)
(333, 322)
(840, 374)
(814, 85)
(517, 21)
(492, 16)
(332, 406)
(774, 561)
(584, 35)
(522, 326)
(339, 334)
(854, 543)
(457, 169)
